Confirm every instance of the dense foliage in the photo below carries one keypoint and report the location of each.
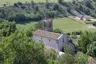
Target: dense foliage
(19, 48)
(68, 58)
(6, 27)
(37, 11)
(87, 43)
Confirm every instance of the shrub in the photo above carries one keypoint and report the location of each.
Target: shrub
(19, 3)
(94, 24)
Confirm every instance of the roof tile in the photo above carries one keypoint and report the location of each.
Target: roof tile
(50, 35)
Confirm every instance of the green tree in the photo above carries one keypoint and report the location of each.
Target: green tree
(36, 8)
(60, 1)
(38, 25)
(51, 56)
(18, 48)
(91, 49)
(7, 28)
(86, 38)
(66, 58)
(81, 58)
(57, 30)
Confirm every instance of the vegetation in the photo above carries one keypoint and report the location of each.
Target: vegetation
(66, 25)
(19, 21)
(85, 39)
(87, 43)
(37, 11)
(68, 58)
(57, 30)
(19, 48)
(91, 50)
(24, 1)
(7, 27)
(81, 58)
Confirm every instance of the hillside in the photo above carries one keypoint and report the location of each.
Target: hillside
(25, 12)
(48, 32)
(67, 25)
(23, 1)
(37, 11)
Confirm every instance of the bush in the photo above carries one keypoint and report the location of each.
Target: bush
(60, 1)
(23, 7)
(50, 14)
(56, 7)
(94, 24)
(19, 3)
(34, 17)
(16, 5)
(26, 17)
(18, 17)
(7, 28)
(57, 30)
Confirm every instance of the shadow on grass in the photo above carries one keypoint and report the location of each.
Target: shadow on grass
(25, 22)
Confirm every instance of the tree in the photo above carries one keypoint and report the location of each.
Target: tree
(32, 3)
(19, 3)
(36, 8)
(86, 38)
(18, 48)
(16, 5)
(94, 24)
(81, 58)
(56, 7)
(67, 58)
(57, 30)
(91, 49)
(60, 1)
(7, 28)
(38, 25)
(51, 56)
(47, 4)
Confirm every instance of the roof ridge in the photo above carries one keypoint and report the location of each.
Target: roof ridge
(47, 34)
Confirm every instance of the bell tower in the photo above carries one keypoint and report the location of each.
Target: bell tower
(48, 25)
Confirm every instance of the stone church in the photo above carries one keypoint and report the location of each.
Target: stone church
(50, 39)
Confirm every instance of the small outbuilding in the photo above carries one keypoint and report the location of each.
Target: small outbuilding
(86, 19)
(82, 17)
(79, 17)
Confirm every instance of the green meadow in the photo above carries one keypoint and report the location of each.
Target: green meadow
(65, 24)
(69, 25)
(23, 1)
(24, 26)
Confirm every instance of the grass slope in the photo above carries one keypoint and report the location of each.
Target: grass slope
(69, 25)
(26, 26)
(14, 1)
(65, 24)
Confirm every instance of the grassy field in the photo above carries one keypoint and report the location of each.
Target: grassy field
(69, 25)
(65, 24)
(26, 26)
(14, 1)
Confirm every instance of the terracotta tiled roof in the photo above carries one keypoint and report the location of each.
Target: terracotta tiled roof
(47, 34)
(91, 60)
